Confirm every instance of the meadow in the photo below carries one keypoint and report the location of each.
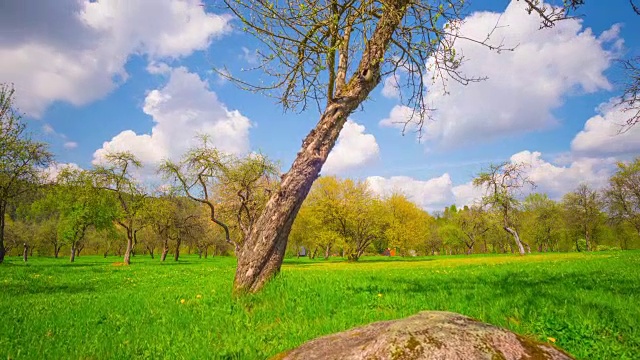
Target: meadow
(586, 303)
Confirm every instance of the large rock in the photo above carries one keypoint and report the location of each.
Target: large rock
(428, 335)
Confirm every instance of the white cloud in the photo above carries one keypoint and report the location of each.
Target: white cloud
(391, 88)
(523, 86)
(602, 133)
(54, 169)
(555, 180)
(182, 109)
(69, 145)
(353, 149)
(158, 68)
(86, 44)
(432, 194)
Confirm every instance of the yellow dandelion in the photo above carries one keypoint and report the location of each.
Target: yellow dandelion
(379, 295)
(198, 296)
(552, 339)
(182, 301)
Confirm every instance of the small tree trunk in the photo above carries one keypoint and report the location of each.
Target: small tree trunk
(128, 251)
(516, 237)
(56, 250)
(72, 257)
(151, 252)
(165, 251)
(25, 252)
(177, 253)
(206, 252)
(327, 251)
(3, 251)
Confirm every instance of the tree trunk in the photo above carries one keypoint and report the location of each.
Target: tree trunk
(206, 252)
(3, 251)
(177, 253)
(261, 256)
(129, 250)
(56, 250)
(165, 251)
(72, 257)
(516, 237)
(25, 252)
(327, 252)
(150, 252)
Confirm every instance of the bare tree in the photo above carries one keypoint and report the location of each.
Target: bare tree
(503, 183)
(116, 176)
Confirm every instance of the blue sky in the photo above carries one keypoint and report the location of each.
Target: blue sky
(111, 75)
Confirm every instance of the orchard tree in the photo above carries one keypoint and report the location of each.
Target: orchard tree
(502, 184)
(79, 204)
(234, 189)
(21, 158)
(583, 209)
(406, 224)
(623, 194)
(542, 221)
(474, 224)
(116, 176)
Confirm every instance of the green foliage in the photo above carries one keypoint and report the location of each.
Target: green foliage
(52, 309)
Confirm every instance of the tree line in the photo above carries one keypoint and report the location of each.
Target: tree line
(210, 202)
(343, 217)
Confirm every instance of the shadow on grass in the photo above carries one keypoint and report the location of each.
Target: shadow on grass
(307, 262)
(33, 289)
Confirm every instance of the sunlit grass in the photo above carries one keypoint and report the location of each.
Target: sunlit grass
(92, 309)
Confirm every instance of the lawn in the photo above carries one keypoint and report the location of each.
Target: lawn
(50, 309)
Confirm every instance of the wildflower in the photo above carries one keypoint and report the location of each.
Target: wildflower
(552, 339)
(198, 296)
(379, 295)
(182, 301)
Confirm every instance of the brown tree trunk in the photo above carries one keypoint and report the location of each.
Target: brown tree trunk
(72, 257)
(261, 256)
(25, 252)
(327, 252)
(3, 251)
(177, 253)
(127, 252)
(516, 237)
(150, 252)
(56, 250)
(165, 251)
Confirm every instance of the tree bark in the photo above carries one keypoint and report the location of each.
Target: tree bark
(25, 252)
(177, 253)
(165, 251)
(129, 250)
(516, 237)
(72, 257)
(56, 250)
(3, 251)
(327, 252)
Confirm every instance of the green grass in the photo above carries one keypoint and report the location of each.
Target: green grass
(94, 310)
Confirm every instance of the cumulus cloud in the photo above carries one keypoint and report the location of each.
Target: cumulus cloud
(53, 170)
(432, 194)
(353, 149)
(602, 133)
(391, 88)
(183, 108)
(523, 87)
(86, 44)
(555, 180)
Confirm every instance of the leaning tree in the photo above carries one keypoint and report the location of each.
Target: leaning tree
(331, 54)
